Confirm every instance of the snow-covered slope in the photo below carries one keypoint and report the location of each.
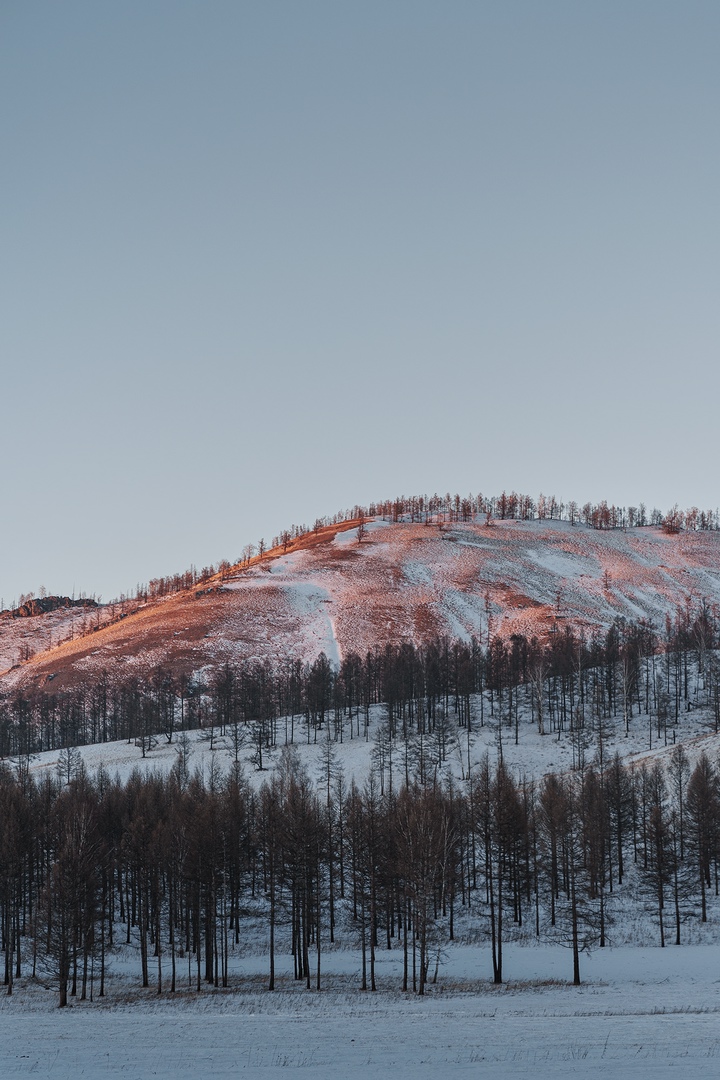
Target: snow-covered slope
(22, 638)
(402, 582)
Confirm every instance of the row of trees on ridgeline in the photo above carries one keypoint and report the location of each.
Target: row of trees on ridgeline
(449, 509)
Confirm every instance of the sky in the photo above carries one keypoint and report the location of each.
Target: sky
(261, 261)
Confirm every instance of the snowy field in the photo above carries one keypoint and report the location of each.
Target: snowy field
(641, 1013)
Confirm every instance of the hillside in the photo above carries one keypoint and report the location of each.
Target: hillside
(331, 592)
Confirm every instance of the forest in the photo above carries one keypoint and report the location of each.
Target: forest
(179, 864)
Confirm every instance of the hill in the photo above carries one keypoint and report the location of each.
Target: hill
(336, 592)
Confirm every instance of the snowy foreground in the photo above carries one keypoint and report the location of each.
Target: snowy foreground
(641, 1012)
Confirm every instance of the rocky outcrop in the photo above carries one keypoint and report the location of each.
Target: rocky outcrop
(41, 605)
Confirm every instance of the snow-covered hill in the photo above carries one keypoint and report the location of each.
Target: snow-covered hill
(336, 593)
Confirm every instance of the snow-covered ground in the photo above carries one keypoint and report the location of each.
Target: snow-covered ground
(640, 1013)
(23, 638)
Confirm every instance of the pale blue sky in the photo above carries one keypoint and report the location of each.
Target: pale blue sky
(264, 260)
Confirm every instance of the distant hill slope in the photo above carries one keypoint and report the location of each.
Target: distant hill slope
(402, 581)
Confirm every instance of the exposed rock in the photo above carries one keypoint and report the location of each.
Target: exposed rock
(43, 604)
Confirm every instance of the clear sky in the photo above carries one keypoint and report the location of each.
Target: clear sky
(261, 261)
